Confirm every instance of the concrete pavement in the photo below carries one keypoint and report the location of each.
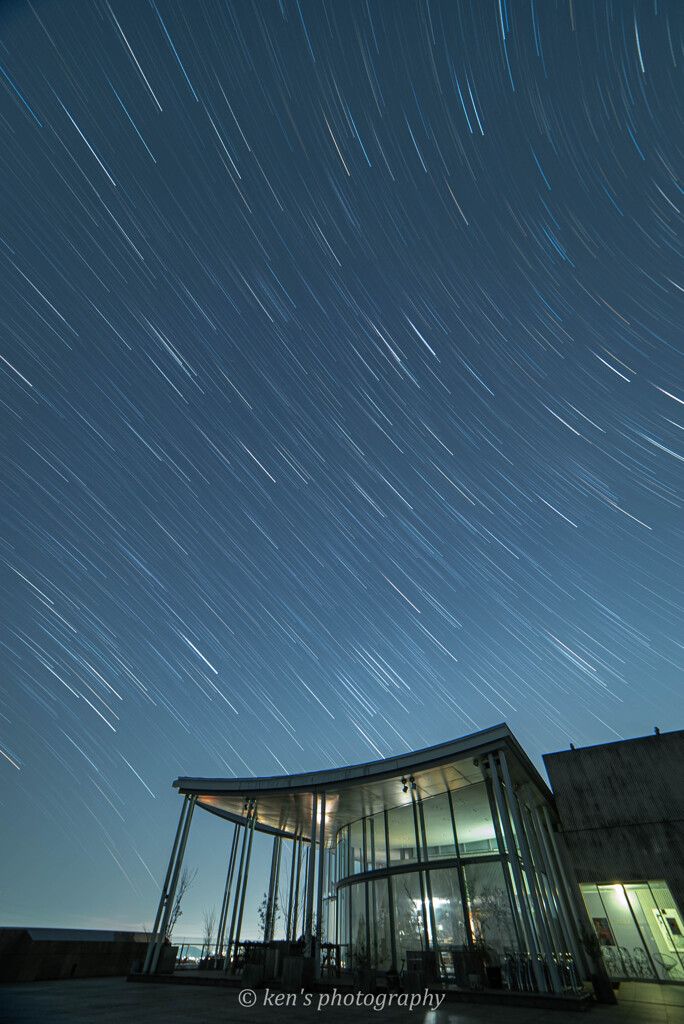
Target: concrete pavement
(113, 1001)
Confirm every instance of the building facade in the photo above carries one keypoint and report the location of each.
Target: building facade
(426, 860)
(622, 808)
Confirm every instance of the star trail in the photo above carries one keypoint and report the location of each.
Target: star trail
(342, 385)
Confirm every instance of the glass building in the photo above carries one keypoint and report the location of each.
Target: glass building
(424, 861)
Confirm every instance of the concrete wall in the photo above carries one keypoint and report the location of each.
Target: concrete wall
(622, 808)
(40, 954)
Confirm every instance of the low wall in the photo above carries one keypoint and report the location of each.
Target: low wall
(43, 954)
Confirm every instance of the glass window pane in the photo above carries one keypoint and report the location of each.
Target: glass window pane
(359, 936)
(491, 917)
(375, 842)
(408, 915)
(356, 841)
(402, 834)
(439, 832)
(474, 824)
(381, 944)
(446, 899)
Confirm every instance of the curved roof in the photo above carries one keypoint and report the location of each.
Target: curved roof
(284, 802)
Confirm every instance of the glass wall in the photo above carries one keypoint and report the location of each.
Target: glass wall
(435, 884)
(491, 915)
(639, 929)
(474, 822)
(381, 924)
(448, 906)
(408, 916)
(376, 843)
(402, 834)
(439, 832)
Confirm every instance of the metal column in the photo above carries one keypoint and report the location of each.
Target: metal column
(461, 879)
(563, 910)
(310, 878)
(238, 926)
(428, 888)
(238, 884)
(390, 896)
(272, 901)
(288, 920)
(528, 864)
(165, 887)
(319, 894)
(421, 873)
(546, 892)
(174, 883)
(268, 914)
(295, 908)
(573, 897)
(505, 862)
(220, 932)
(530, 937)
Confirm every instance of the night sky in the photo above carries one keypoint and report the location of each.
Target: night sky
(342, 403)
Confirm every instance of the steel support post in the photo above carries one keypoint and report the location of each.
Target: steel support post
(559, 927)
(226, 892)
(269, 898)
(311, 870)
(174, 883)
(421, 873)
(461, 879)
(319, 894)
(514, 861)
(573, 896)
(428, 887)
(297, 890)
(529, 866)
(545, 893)
(276, 901)
(238, 884)
(245, 877)
(565, 912)
(288, 921)
(165, 887)
(505, 861)
(390, 896)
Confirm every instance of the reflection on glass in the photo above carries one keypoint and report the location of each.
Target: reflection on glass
(491, 916)
(408, 914)
(448, 907)
(439, 832)
(375, 842)
(381, 943)
(639, 928)
(359, 938)
(474, 824)
(402, 834)
(356, 842)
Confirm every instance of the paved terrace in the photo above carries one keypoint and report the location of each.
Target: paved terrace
(113, 1001)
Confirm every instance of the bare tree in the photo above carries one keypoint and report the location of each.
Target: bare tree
(208, 926)
(184, 882)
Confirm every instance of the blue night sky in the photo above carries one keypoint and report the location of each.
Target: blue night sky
(342, 399)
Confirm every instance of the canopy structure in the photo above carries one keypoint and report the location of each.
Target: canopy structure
(357, 791)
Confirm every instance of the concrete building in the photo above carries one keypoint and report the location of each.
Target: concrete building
(622, 809)
(444, 860)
